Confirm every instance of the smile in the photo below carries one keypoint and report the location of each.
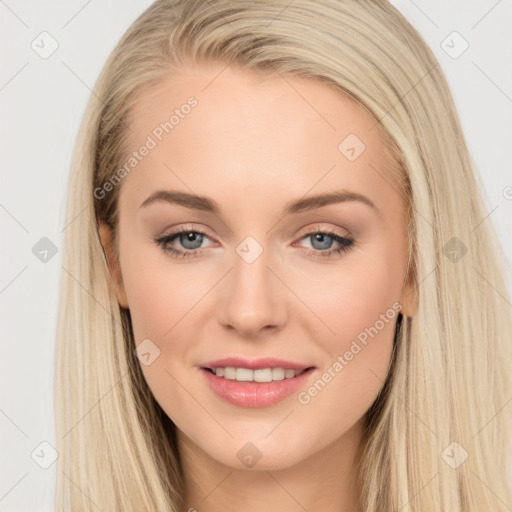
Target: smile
(259, 375)
(258, 388)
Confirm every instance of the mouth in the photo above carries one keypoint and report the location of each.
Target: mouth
(262, 375)
(258, 388)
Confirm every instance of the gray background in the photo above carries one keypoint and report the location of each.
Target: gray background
(43, 100)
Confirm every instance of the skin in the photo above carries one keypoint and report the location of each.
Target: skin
(253, 144)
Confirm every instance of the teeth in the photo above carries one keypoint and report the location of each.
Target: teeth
(244, 374)
(260, 375)
(289, 373)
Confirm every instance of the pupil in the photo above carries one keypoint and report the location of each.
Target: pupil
(192, 238)
(322, 239)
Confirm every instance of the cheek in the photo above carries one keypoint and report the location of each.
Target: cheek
(164, 299)
(160, 292)
(362, 311)
(359, 306)
(354, 296)
(161, 309)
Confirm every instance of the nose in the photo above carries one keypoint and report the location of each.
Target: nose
(252, 299)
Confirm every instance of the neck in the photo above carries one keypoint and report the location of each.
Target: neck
(323, 481)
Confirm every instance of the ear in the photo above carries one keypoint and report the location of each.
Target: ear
(106, 237)
(409, 298)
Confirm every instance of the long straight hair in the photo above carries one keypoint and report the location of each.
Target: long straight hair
(438, 436)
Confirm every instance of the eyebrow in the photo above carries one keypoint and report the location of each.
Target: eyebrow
(208, 205)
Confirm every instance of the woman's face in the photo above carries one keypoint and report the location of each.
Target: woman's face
(317, 285)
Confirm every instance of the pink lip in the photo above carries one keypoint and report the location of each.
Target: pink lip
(255, 364)
(254, 394)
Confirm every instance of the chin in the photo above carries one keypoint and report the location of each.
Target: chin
(264, 455)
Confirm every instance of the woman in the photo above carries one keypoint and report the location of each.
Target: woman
(277, 297)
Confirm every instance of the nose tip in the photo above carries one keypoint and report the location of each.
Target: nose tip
(252, 300)
(250, 325)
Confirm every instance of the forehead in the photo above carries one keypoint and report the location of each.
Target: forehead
(252, 136)
(232, 98)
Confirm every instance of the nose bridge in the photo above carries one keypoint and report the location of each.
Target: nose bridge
(253, 298)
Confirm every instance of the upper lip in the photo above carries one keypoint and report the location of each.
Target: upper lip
(255, 364)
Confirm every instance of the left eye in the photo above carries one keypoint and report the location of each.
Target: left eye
(192, 240)
(321, 239)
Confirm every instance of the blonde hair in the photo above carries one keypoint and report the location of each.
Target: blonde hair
(449, 381)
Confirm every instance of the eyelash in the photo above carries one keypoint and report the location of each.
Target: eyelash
(164, 241)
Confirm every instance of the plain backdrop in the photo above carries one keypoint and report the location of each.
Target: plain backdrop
(43, 99)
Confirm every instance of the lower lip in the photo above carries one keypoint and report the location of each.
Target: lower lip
(255, 394)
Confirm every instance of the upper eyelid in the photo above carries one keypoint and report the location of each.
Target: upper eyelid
(320, 228)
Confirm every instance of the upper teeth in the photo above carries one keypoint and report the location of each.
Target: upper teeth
(260, 375)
